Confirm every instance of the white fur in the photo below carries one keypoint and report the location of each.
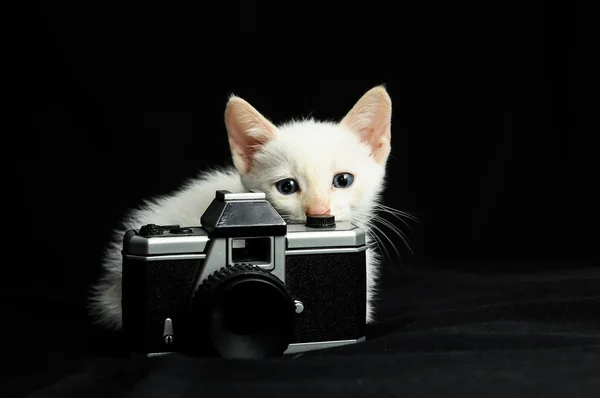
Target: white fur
(309, 151)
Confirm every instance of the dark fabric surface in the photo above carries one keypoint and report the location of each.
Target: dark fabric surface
(440, 334)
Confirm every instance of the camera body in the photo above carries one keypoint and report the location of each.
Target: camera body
(244, 284)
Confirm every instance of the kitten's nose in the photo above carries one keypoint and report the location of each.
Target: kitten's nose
(317, 210)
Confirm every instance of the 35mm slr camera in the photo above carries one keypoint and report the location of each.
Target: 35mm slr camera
(244, 284)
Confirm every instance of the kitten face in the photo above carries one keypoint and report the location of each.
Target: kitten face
(311, 167)
(316, 168)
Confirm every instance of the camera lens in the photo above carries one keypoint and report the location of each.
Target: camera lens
(250, 319)
(246, 313)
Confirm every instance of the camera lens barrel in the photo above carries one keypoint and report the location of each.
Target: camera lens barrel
(242, 311)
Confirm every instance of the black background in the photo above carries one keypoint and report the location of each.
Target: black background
(494, 132)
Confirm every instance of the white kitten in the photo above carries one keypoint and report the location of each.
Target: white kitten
(304, 167)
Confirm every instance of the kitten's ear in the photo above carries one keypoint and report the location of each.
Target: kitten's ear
(371, 119)
(248, 130)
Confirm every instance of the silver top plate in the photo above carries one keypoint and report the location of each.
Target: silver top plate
(344, 234)
(194, 242)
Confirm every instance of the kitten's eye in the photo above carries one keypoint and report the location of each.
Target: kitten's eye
(343, 180)
(287, 186)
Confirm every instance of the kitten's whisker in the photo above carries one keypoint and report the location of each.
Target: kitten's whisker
(366, 222)
(375, 242)
(397, 212)
(377, 246)
(396, 216)
(389, 240)
(379, 204)
(394, 229)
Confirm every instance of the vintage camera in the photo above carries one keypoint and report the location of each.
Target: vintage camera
(244, 284)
